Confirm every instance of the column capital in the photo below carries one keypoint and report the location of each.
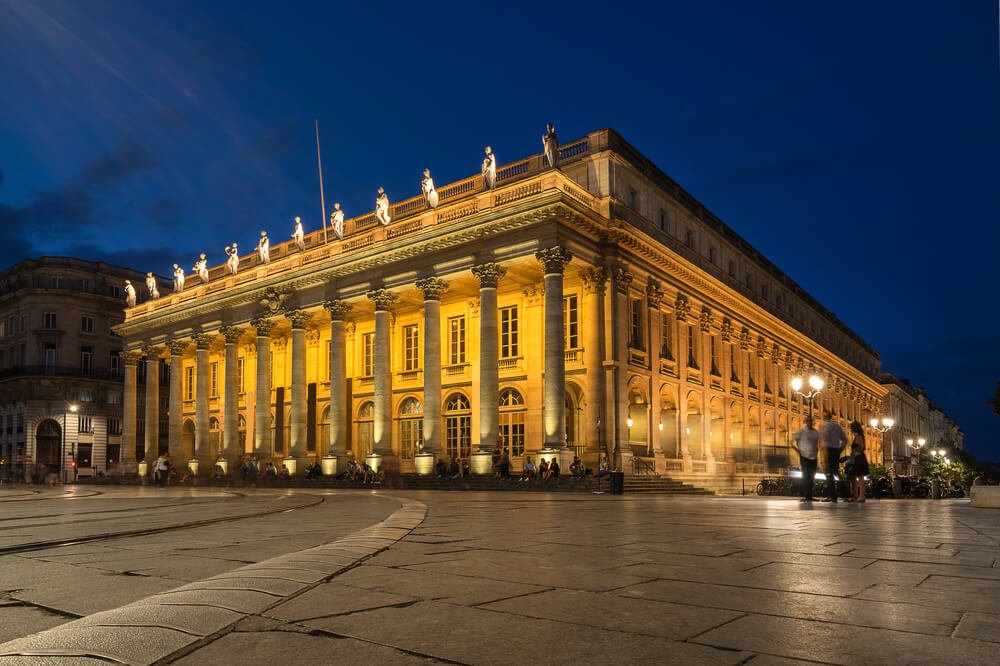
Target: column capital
(623, 278)
(727, 331)
(745, 342)
(337, 308)
(299, 318)
(682, 307)
(433, 288)
(263, 326)
(554, 259)
(654, 294)
(152, 352)
(232, 334)
(202, 340)
(489, 274)
(788, 360)
(761, 347)
(594, 279)
(178, 347)
(382, 298)
(130, 356)
(705, 320)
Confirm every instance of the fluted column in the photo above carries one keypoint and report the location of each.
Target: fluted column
(593, 346)
(489, 276)
(338, 378)
(230, 401)
(152, 405)
(554, 261)
(177, 348)
(262, 401)
(202, 451)
(299, 320)
(382, 428)
(433, 288)
(131, 360)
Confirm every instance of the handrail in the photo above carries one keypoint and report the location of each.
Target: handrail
(640, 466)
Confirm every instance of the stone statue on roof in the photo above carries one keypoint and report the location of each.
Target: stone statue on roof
(178, 278)
(299, 235)
(232, 259)
(550, 143)
(264, 248)
(151, 287)
(382, 207)
(129, 294)
(427, 187)
(337, 220)
(201, 268)
(489, 169)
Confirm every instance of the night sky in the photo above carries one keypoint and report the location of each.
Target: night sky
(854, 143)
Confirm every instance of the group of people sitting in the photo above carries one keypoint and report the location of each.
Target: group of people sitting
(453, 469)
(362, 472)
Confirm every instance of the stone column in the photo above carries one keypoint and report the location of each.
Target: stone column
(433, 288)
(127, 455)
(382, 428)
(262, 403)
(682, 311)
(175, 422)
(616, 365)
(299, 320)
(203, 453)
(654, 296)
(593, 355)
(554, 261)
(152, 406)
(339, 423)
(489, 276)
(230, 404)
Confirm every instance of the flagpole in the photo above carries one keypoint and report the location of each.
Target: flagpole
(319, 166)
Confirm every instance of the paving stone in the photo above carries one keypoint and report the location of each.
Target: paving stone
(275, 586)
(127, 644)
(334, 599)
(243, 601)
(440, 586)
(472, 635)
(20, 620)
(843, 644)
(262, 571)
(980, 626)
(194, 620)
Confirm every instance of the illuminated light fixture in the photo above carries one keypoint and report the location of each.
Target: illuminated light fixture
(629, 422)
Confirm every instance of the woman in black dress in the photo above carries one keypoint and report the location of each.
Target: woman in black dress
(859, 468)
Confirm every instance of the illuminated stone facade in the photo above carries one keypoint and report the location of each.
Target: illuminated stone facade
(564, 305)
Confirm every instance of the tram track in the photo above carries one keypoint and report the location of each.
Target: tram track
(35, 546)
(232, 496)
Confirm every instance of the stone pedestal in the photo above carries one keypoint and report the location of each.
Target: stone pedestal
(143, 469)
(193, 466)
(374, 461)
(292, 465)
(224, 464)
(329, 465)
(482, 463)
(423, 464)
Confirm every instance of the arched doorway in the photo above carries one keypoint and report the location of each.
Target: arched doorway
(215, 437)
(366, 430)
(716, 436)
(637, 420)
(511, 429)
(670, 444)
(411, 428)
(574, 418)
(48, 447)
(753, 434)
(323, 430)
(693, 430)
(187, 440)
(457, 426)
(736, 445)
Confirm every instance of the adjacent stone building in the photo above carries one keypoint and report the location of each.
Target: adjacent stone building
(60, 367)
(593, 309)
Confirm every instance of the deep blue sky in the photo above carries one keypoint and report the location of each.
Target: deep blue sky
(854, 143)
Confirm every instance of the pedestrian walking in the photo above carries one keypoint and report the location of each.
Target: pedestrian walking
(807, 446)
(832, 436)
(859, 466)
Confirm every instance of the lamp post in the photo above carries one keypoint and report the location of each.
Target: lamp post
(883, 426)
(72, 409)
(815, 386)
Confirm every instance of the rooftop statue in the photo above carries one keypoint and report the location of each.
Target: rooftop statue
(264, 248)
(151, 286)
(550, 143)
(129, 294)
(201, 268)
(337, 220)
(232, 259)
(382, 207)
(489, 169)
(299, 235)
(427, 187)
(178, 278)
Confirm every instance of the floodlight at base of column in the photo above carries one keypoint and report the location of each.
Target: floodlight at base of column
(291, 464)
(329, 465)
(482, 463)
(374, 461)
(193, 466)
(423, 464)
(143, 468)
(224, 464)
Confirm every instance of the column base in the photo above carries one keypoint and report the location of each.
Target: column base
(224, 464)
(143, 469)
(329, 464)
(374, 461)
(481, 463)
(291, 464)
(194, 465)
(423, 464)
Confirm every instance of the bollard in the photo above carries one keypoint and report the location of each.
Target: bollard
(936, 488)
(617, 483)
(897, 487)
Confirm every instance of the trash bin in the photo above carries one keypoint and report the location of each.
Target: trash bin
(935, 488)
(617, 483)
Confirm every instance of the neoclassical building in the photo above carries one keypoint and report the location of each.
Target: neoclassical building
(592, 308)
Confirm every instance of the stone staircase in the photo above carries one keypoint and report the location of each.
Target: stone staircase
(655, 484)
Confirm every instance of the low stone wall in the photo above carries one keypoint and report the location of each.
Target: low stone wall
(986, 496)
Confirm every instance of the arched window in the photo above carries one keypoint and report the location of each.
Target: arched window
(458, 426)
(511, 430)
(366, 430)
(242, 429)
(411, 428)
(214, 436)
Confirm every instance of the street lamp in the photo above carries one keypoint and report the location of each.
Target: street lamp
(72, 409)
(883, 426)
(815, 386)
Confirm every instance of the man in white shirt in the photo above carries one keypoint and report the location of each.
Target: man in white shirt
(807, 446)
(832, 436)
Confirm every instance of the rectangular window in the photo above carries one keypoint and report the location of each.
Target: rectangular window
(633, 199)
(411, 347)
(666, 339)
(714, 349)
(692, 348)
(509, 336)
(239, 375)
(20, 422)
(86, 360)
(571, 322)
(87, 324)
(49, 320)
(114, 291)
(189, 383)
(114, 364)
(456, 340)
(751, 382)
(411, 437)
(732, 269)
(213, 375)
(368, 365)
(57, 282)
(114, 426)
(734, 374)
(663, 220)
(635, 320)
(85, 424)
(3, 328)
(114, 398)
(689, 238)
(84, 455)
(711, 254)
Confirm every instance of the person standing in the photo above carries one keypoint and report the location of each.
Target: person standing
(833, 438)
(859, 468)
(807, 446)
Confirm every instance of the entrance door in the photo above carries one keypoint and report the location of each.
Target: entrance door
(48, 445)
